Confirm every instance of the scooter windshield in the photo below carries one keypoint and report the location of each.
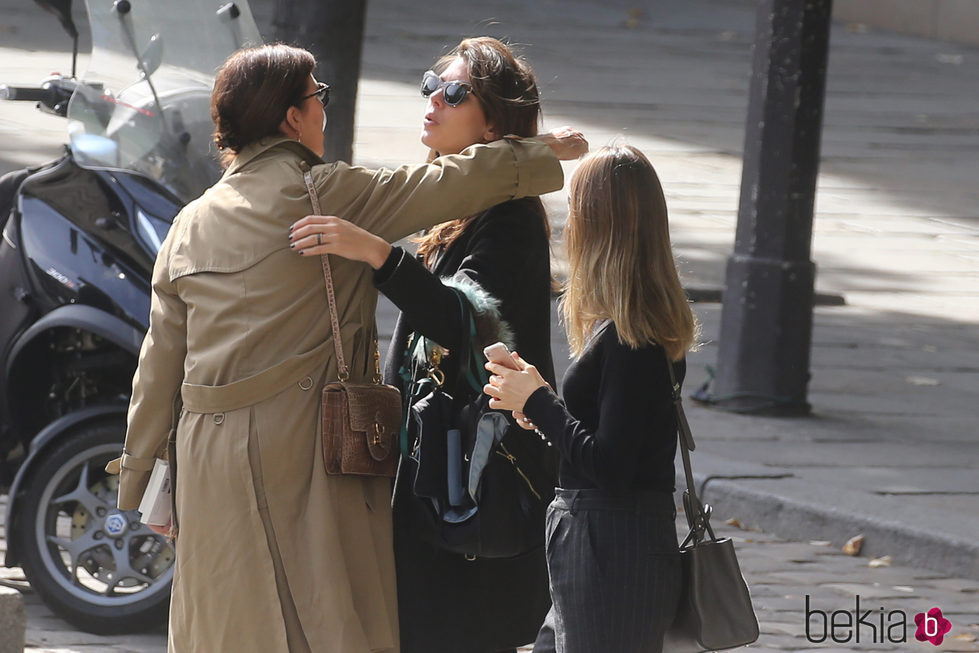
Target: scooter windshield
(144, 103)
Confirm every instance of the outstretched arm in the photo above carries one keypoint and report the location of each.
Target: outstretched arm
(395, 203)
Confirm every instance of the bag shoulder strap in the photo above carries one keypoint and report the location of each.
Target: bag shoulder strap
(697, 513)
(343, 371)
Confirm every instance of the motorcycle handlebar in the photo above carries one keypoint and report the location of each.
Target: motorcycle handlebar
(23, 93)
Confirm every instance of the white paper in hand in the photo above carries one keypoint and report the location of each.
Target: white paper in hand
(155, 505)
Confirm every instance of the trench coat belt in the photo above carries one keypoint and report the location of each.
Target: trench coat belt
(256, 388)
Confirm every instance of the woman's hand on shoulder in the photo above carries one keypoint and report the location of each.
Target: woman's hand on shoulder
(567, 143)
(316, 235)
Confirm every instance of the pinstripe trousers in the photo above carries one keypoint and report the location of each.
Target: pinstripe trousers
(615, 574)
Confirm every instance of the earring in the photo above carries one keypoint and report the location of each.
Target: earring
(299, 138)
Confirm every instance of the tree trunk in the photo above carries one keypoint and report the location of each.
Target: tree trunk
(333, 30)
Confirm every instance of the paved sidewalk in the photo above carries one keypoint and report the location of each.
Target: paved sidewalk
(892, 450)
(780, 573)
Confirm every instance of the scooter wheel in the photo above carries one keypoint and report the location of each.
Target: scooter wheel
(95, 566)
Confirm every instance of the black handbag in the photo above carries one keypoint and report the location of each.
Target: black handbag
(715, 610)
(473, 490)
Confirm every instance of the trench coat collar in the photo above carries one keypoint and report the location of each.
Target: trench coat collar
(262, 145)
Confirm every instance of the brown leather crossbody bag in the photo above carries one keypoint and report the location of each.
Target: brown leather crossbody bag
(360, 421)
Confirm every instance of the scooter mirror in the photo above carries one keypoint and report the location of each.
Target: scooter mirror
(152, 56)
(61, 9)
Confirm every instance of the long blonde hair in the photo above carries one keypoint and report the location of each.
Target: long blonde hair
(620, 258)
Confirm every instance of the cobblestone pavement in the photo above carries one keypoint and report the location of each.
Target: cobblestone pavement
(781, 574)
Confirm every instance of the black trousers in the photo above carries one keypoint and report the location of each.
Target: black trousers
(615, 574)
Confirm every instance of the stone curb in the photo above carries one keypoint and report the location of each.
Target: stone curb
(715, 295)
(13, 621)
(792, 518)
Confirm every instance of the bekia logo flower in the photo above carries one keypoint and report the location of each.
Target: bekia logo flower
(932, 626)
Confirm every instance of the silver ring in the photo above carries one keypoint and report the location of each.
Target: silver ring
(319, 239)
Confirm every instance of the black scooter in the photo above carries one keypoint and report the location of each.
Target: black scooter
(80, 235)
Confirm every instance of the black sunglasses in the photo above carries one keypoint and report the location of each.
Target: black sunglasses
(322, 93)
(454, 93)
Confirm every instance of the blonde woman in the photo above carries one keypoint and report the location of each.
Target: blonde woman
(611, 540)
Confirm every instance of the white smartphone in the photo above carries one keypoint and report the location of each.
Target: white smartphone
(498, 353)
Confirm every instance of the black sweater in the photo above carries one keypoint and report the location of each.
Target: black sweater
(448, 604)
(615, 429)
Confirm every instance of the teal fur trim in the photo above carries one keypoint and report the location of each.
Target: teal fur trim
(490, 326)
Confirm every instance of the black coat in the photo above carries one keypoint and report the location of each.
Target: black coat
(447, 603)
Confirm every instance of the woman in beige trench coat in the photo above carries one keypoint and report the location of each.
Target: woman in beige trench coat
(274, 555)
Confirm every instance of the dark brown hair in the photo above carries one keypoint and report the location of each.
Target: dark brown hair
(506, 89)
(254, 89)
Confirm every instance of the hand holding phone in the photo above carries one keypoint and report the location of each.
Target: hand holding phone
(498, 353)
(513, 389)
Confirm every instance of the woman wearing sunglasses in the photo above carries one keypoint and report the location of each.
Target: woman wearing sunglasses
(499, 259)
(273, 555)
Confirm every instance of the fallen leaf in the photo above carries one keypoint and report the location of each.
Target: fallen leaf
(922, 380)
(733, 521)
(634, 15)
(820, 543)
(956, 59)
(964, 637)
(883, 561)
(853, 545)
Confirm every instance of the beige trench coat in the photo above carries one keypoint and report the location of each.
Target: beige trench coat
(273, 554)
